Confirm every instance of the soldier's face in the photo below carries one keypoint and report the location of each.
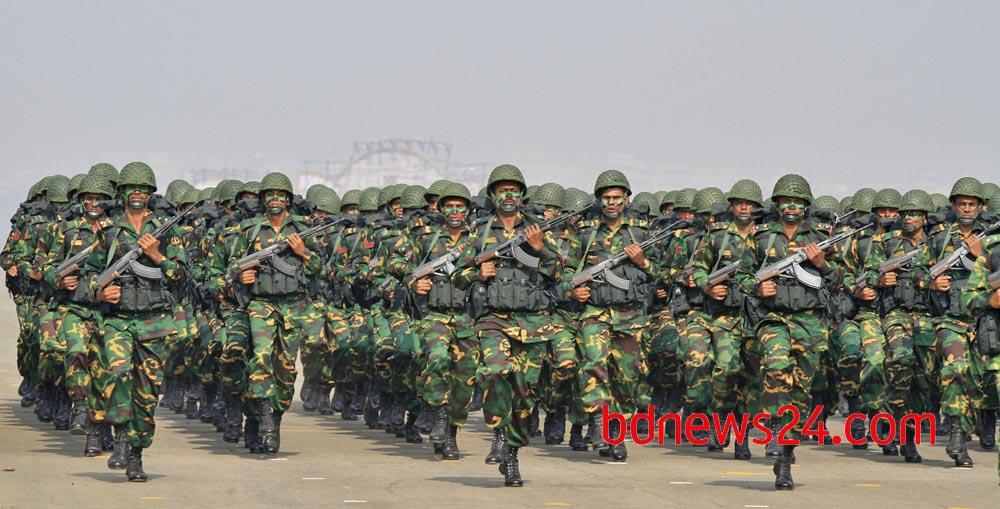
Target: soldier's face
(792, 210)
(136, 197)
(395, 208)
(686, 215)
(887, 216)
(507, 196)
(551, 212)
(742, 210)
(454, 210)
(613, 202)
(276, 202)
(319, 215)
(432, 203)
(966, 208)
(91, 205)
(913, 221)
(350, 210)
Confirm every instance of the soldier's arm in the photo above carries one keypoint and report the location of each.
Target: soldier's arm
(57, 240)
(175, 262)
(704, 259)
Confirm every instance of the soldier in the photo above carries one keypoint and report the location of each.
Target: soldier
(954, 328)
(139, 325)
(518, 319)
(790, 329)
(278, 310)
(736, 359)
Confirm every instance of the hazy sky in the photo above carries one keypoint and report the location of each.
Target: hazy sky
(676, 93)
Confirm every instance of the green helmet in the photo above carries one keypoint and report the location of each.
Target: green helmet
(576, 199)
(792, 186)
(276, 182)
(137, 173)
(940, 200)
(659, 195)
(93, 184)
(990, 190)
(641, 202)
(188, 196)
(887, 199)
(250, 187)
(38, 189)
(413, 197)
(529, 195)
(57, 189)
(390, 193)
(505, 172)
(916, 200)
(845, 204)
(863, 199)
(206, 194)
(611, 178)
(326, 200)
(994, 204)
(549, 194)
(967, 186)
(176, 189)
(314, 190)
(669, 198)
(684, 199)
(227, 190)
(706, 199)
(369, 201)
(351, 198)
(106, 171)
(74, 183)
(454, 190)
(826, 202)
(748, 190)
(437, 188)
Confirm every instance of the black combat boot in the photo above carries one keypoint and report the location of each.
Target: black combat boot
(265, 417)
(79, 423)
(191, 399)
(44, 407)
(219, 412)
(323, 400)
(63, 415)
(450, 450)
(350, 395)
(510, 468)
(384, 420)
(576, 440)
(957, 446)
(207, 404)
(107, 437)
(440, 429)
(277, 433)
(306, 396)
(890, 449)
(134, 467)
(176, 397)
(534, 423)
(397, 419)
(410, 432)
(92, 444)
(167, 386)
(988, 429)
(555, 426)
(772, 450)
(117, 459)
(477, 400)
(28, 392)
(251, 435)
(341, 397)
(783, 469)
(741, 449)
(234, 419)
(597, 437)
(426, 418)
(943, 425)
(859, 429)
(713, 443)
(497, 447)
(909, 448)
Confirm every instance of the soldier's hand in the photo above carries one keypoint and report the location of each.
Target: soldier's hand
(69, 283)
(581, 294)
(995, 299)
(941, 283)
(248, 277)
(297, 245)
(533, 234)
(767, 289)
(150, 246)
(487, 271)
(888, 279)
(718, 292)
(423, 286)
(12, 271)
(36, 275)
(661, 293)
(111, 294)
(636, 255)
(815, 255)
(866, 294)
(974, 244)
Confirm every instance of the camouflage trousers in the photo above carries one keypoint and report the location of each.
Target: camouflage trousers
(560, 386)
(234, 337)
(29, 338)
(909, 360)
(450, 361)
(339, 338)
(135, 348)
(699, 360)
(77, 343)
(51, 347)
(612, 368)
(317, 350)
(873, 378)
(206, 360)
(662, 343)
(278, 327)
(729, 375)
(959, 388)
(351, 354)
(792, 345)
(991, 365)
(845, 348)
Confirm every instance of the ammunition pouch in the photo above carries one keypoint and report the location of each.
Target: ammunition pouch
(988, 334)
(513, 289)
(279, 276)
(793, 297)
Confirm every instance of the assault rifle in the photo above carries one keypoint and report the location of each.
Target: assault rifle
(901, 262)
(72, 264)
(602, 272)
(722, 275)
(791, 264)
(443, 265)
(128, 260)
(269, 253)
(513, 248)
(959, 255)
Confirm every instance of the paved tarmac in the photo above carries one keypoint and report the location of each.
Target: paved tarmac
(327, 462)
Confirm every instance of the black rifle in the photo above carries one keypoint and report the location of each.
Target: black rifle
(128, 261)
